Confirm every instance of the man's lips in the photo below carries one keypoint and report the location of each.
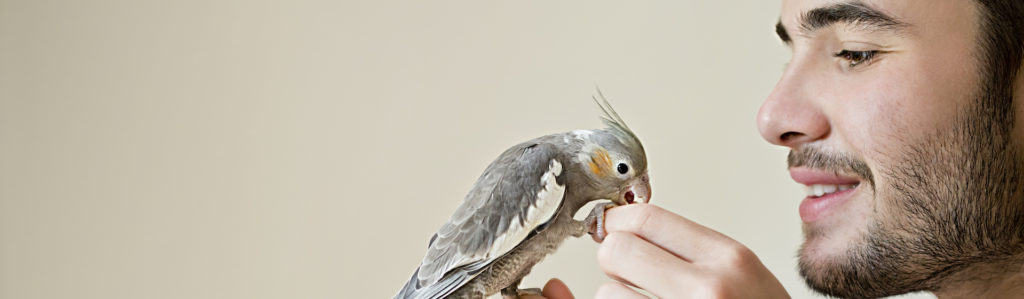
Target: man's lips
(826, 191)
(810, 176)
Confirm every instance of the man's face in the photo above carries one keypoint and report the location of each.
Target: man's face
(912, 179)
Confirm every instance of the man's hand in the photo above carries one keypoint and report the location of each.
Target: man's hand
(672, 257)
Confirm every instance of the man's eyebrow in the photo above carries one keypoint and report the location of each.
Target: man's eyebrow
(854, 13)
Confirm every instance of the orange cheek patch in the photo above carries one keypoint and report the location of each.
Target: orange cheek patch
(595, 169)
(600, 162)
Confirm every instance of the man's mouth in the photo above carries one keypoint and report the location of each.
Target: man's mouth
(819, 190)
(827, 191)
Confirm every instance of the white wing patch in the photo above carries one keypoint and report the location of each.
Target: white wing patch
(548, 199)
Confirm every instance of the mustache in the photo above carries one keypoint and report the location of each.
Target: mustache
(836, 162)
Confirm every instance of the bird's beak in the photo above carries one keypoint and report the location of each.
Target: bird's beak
(638, 191)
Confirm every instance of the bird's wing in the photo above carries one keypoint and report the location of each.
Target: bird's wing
(515, 197)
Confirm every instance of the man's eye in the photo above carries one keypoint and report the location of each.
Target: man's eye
(856, 57)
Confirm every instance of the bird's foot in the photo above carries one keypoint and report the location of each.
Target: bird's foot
(595, 222)
(516, 293)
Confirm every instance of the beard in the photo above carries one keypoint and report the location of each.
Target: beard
(953, 209)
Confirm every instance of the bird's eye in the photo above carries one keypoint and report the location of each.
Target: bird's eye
(623, 168)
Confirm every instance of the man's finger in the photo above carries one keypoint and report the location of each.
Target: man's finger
(556, 289)
(632, 260)
(680, 236)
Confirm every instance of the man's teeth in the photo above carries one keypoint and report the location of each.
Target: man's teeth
(819, 190)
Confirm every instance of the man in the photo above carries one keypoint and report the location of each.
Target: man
(905, 119)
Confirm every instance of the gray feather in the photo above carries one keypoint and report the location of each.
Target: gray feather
(507, 188)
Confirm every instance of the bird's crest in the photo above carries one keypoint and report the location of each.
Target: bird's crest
(618, 126)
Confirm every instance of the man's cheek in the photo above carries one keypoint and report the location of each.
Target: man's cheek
(888, 114)
(871, 124)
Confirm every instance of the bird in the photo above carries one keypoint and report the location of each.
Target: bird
(521, 209)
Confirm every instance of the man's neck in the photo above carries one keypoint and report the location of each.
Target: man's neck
(986, 284)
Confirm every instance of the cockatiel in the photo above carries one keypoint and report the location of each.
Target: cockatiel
(521, 209)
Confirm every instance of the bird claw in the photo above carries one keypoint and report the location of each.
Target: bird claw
(595, 222)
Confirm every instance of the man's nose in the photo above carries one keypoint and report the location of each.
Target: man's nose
(791, 116)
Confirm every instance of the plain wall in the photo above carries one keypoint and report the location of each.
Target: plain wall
(309, 149)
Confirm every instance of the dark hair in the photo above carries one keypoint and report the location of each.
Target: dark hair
(1002, 50)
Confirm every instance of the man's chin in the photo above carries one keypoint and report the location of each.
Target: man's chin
(847, 261)
(832, 238)
(822, 262)
(828, 250)
(820, 252)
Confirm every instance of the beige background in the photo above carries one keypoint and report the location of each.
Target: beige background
(308, 149)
